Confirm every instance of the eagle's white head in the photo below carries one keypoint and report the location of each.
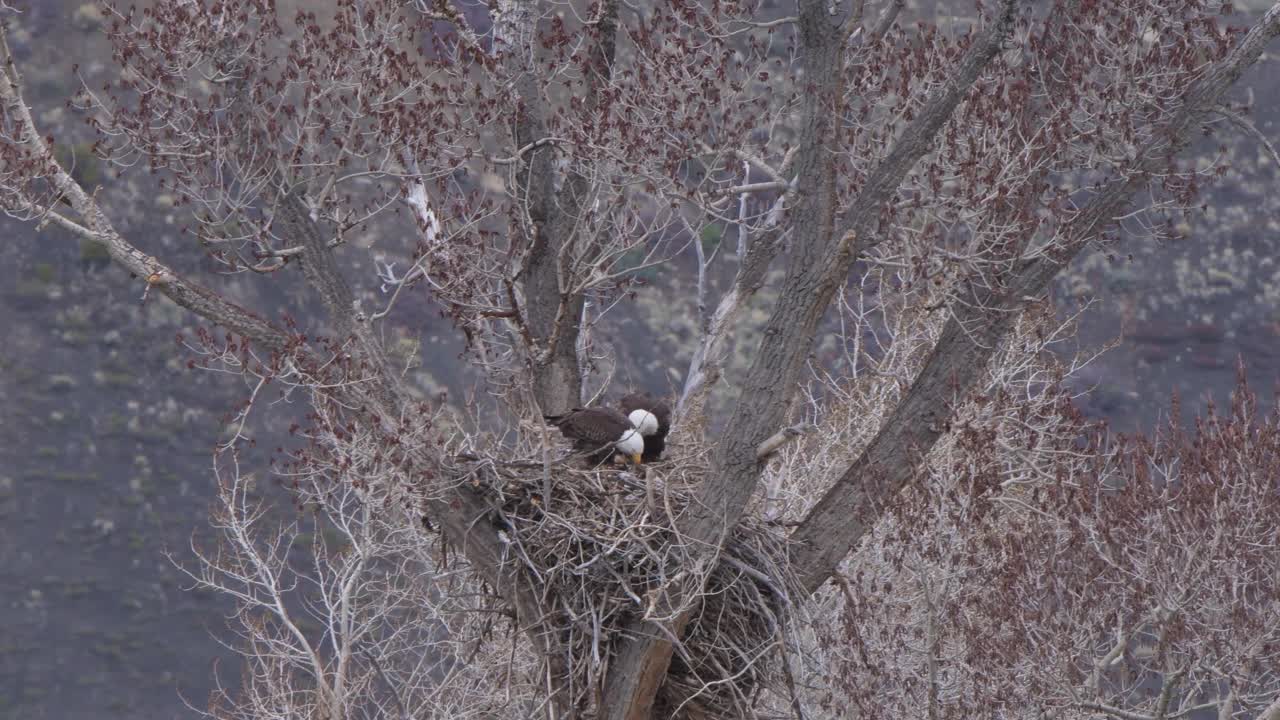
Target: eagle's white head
(631, 444)
(645, 421)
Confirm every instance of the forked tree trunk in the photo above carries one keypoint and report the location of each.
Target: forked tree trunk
(820, 260)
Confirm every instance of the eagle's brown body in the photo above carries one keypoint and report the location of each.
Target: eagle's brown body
(595, 431)
(653, 444)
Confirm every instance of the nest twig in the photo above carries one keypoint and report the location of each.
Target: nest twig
(604, 551)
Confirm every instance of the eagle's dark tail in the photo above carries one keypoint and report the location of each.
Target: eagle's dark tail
(557, 419)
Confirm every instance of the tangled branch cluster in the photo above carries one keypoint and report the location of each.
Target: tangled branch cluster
(606, 549)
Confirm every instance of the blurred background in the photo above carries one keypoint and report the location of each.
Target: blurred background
(105, 470)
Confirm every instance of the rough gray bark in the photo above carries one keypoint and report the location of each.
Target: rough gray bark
(550, 312)
(820, 260)
(847, 511)
(552, 307)
(321, 271)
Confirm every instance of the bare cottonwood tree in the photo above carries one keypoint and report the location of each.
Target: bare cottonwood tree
(918, 188)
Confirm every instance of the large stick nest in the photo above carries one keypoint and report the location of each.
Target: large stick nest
(605, 550)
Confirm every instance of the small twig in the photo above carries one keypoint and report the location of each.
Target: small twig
(773, 23)
(395, 696)
(543, 142)
(1250, 129)
(756, 187)
(778, 439)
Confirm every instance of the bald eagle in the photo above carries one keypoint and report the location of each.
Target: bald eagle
(652, 417)
(600, 432)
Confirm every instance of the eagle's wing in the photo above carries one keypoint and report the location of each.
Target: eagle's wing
(662, 411)
(595, 426)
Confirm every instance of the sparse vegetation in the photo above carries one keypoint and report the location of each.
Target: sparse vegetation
(917, 188)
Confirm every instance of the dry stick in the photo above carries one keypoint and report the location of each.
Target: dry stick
(404, 712)
(775, 441)
(1272, 712)
(1249, 128)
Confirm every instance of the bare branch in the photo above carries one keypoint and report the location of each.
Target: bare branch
(845, 513)
(775, 442)
(1252, 131)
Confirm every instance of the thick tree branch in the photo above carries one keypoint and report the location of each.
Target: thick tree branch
(821, 258)
(848, 510)
(317, 260)
(555, 385)
(548, 275)
(160, 277)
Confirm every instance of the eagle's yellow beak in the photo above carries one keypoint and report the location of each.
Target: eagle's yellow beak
(635, 458)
